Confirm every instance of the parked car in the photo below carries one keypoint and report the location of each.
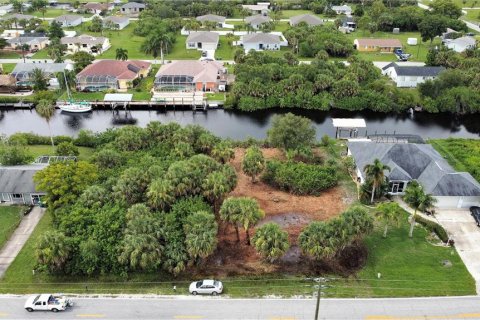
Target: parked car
(475, 211)
(212, 287)
(47, 302)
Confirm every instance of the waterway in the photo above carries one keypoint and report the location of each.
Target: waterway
(241, 125)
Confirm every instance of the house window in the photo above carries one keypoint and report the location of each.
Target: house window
(84, 45)
(396, 187)
(17, 196)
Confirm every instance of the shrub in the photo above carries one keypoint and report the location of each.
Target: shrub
(299, 178)
(66, 149)
(34, 139)
(15, 154)
(86, 138)
(433, 227)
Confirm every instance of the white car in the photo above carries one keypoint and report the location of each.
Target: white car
(47, 302)
(212, 287)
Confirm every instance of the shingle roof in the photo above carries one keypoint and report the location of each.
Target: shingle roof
(261, 38)
(206, 71)
(203, 36)
(27, 40)
(48, 68)
(18, 16)
(83, 39)
(18, 179)
(420, 71)
(421, 162)
(125, 70)
(68, 18)
(309, 19)
(257, 19)
(343, 8)
(97, 6)
(116, 19)
(383, 43)
(464, 41)
(130, 5)
(211, 17)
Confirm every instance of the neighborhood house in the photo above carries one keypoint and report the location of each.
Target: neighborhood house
(97, 8)
(202, 40)
(17, 186)
(23, 72)
(262, 41)
(257, 20)
(132, 8)
(34, 43)
(309, 19)
(86, 43)
(410, 76)
(111, 74)
(342, 9)
(15, 19)
(69, 20)
(259, 8)
(409, 161)
(116, 22)
(219, 20)
(382, 45)
(461, 44)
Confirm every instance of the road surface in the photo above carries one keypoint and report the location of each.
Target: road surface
(269, 309)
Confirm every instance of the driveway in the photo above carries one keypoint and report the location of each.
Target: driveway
(462, 228)
(18, 238)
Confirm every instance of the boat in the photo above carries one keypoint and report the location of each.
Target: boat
(71, 105)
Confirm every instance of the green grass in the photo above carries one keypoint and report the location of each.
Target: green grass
(44, 150)
(217, 96)
(180, 52)
(286, 14)
(468, 3)
(8, 67)
(41, 54)
(123, 39)
(10, 217)
(472, 15)
(9, 55)
(53, 13)
(462, 154)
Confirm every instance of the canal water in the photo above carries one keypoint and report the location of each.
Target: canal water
(241, 125)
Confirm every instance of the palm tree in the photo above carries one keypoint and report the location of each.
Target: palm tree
(140, 251)
(388, 213)
(46, 110)
(39, 79)
(121, 54)
(416, 197)
(249, 215)
(216, 186)
(156, 43)
(271, 241)
(160, 194)
(201, 234)
(376, 173)
(52, 250)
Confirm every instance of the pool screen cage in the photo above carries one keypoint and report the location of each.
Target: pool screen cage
(174, 83)
(96, 82)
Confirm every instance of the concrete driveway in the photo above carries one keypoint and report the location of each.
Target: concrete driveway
(464, 231)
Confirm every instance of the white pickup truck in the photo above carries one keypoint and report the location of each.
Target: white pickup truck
(47, 302)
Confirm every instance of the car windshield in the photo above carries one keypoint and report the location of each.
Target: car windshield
(216, 284)
(199, 284)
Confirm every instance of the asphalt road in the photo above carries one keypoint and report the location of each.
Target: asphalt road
(188, 308)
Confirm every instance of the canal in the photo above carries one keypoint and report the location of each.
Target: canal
(240, 125)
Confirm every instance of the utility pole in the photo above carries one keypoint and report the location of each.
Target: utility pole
(320, 282)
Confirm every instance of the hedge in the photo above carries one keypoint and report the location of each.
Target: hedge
(432, 226)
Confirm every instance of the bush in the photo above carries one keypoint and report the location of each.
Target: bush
(15, 154)
(66, 149)
(34, 139)
(433, 227)
(86, 138)
(299, 178)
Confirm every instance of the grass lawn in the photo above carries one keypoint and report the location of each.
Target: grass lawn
(216, 96)
(472, 15)
(286, 14)
(8, 67)
(123, 39)
(53, 13)
(41, 54)
(462, 154)
(46, 150)
(9, 55)
(180, 52)
(9, 219)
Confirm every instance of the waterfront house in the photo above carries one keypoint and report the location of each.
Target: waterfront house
(382, 45)
(257, 20)
(349, 23)
(86, 43)
(111, 74)
(421, 162)
(118, 22)
(191, 76)
(17, 185)
(309, 19)
(410, 76)
(69, 20)
(23, 72)
(219, 20)
(461, 44)
(132, 8)
(202, 40)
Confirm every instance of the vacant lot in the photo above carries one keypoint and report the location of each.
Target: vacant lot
(9, 219)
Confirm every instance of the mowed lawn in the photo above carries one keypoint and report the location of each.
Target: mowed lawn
(47, 150)
(8, 67)
(9, 219)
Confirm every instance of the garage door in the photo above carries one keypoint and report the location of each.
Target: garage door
(457, 202)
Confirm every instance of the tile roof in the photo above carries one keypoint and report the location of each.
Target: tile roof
(309, 19)
(204, 71)
(383, 43)
(203, 36)
(211, 17)
(261, 38)
(125, 70)
(420, 71)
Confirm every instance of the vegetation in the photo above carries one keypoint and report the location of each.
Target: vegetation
(253, 162)
(416, 197)
(389, 213)
(10, 218)
(291, 132)
(243, 212)
(271, 241)
(375, 173)
(14, 152)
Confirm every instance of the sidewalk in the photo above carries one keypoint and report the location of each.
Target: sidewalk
(18, 238)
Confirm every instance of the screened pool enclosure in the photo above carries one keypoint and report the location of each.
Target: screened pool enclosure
(174, 83)
(96, 82)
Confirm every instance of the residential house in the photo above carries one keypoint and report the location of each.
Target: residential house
(202, 40)
(309, 19)
(7, 83)
(262, 41)
(118, 22)
(257, 20)
(382, 45)
(86, 43)
(97, 8)
(9, 34)
(34, 42)
(349, 23)
(410, 76)
(69, 20)
(111, 74)
(347, 10)
(191, 76)
(409, 161)
(5, 9)
(461, 44)
(132, 8)
(259, 8)
(16, 18)
(23, 72)
(17, 185)
(219, 20)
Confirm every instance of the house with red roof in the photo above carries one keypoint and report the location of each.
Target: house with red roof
(112, 74)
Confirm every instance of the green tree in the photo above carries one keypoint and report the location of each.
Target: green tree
(121, 54)
(81, 59)
(271, 241)
(253, 162)
(223, 151)
(3, 43)
(56, 51)
(55, 31)
(40, 5)
(291, 132)
(53, 250)
(131, 186)
(388, 213)
(96, 25)
(318, 240)
(376, 173)
(39, 79)
(67, 149)
(431, 26)
(249, 215)
(161, 194)
(446, 8)
(416, 197)
(217, 184)
(46, 110)
(201, 234)
(156, 44)
(12, 154)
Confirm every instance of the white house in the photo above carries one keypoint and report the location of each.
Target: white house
(263, 41)
(421, 162)
(9, 34)
(132, 8)
(410, 76)
(257, 20)
(202, 40)
(259, 8)
(15, 18)
(86, 43)
(309, 19)
(118, 22)
(461, 44)
(17, 185)
(342, 9)
(34, 42)
(69, 20)
(219, 20)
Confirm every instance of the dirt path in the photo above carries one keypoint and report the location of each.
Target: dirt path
(18, 238)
